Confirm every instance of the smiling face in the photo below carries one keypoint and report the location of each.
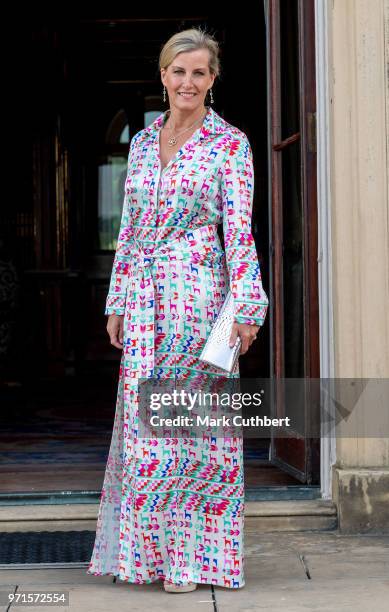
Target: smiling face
(188, 79)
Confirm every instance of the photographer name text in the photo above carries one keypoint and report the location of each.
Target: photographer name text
(224, 421)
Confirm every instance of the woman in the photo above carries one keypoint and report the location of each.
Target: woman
(188, 171)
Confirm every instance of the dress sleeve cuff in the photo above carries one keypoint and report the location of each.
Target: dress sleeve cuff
(247, 321)
(115, 304)
(250, 313)
(117, 311)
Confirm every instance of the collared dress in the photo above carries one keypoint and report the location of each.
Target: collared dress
(173, 508)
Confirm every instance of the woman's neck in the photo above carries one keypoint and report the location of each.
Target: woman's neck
(180, 119)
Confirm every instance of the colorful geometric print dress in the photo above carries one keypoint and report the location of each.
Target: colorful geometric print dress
(174, 508)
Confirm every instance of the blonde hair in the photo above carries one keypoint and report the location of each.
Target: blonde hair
(190, 40)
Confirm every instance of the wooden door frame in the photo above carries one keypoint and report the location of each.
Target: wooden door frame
(307, 138)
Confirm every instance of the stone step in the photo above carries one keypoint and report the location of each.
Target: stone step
(289, 515)
(260, 516)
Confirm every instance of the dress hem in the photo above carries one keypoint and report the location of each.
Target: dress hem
(160, 579)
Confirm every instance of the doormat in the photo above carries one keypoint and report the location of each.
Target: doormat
(46, 547)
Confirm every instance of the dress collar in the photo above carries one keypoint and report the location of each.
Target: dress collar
(212, 123)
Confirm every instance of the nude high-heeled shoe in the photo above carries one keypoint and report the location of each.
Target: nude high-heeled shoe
(179, 588)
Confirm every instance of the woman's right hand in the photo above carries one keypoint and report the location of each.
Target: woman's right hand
(115, 330)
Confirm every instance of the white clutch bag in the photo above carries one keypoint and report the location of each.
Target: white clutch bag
(217, 351)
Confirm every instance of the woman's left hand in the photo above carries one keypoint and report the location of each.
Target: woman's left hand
(247, 333)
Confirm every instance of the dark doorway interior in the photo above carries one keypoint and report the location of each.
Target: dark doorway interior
(95, 83)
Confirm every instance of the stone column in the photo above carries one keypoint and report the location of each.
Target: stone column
(359, 126)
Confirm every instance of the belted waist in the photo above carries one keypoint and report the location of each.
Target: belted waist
(145, 257)
(200, 245)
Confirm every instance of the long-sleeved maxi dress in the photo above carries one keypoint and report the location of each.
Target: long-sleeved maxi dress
(172, 511)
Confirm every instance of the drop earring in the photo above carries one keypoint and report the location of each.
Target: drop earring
(210, 93)
(164, 94)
